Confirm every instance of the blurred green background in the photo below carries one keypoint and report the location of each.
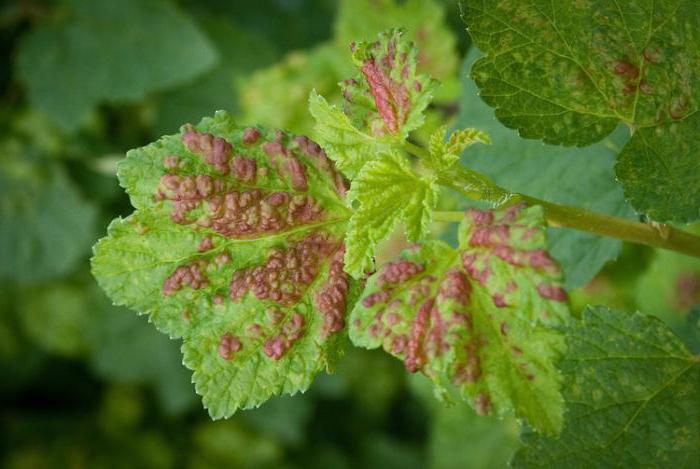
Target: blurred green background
(86, 384)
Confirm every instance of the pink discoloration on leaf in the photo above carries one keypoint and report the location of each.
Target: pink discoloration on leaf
(552, 292)
(378, 297)
(287, 273)
(499, 301)
(277, 346)
(191, 275)
(250, 135)
(456, 287)
(482, 404)
(391, 98)
(415, 355)
(287, 164)
(215, 150)
(232, 213)
(229, 346)
(206, 244)
(399, 272)
(332, 297)
(245, 169)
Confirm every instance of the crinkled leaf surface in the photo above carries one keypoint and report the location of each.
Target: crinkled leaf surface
(388, 96)
(104, 50)
(633, 397)
(444, 152)
(584, 177)
(348, 146)
(388, 192)
(45, 223)
(424, 21)
(569, 72)
(478, 318)
(237, 247)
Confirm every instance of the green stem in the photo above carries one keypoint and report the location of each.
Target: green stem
(478, 186)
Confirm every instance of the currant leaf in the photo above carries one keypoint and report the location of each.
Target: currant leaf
(237, 247)
(444, 152)
(388, 97)
(479, 318)
(584, 177)
(347, 146)
(631, 389)
(570, 72)
(388, 192)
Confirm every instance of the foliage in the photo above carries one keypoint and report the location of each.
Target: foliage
(421, 218)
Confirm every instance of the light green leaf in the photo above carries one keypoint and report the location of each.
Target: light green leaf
(424, 20)
(46, 226)
(102, 50)
(237, 247)
(347, 146)
(444, 152)
(388, 97)
(570, 72)
(479, 318)
(388, 192)
(584, 177)
(633, 398)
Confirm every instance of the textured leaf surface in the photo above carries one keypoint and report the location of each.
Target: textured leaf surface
(633, 400)
(278, 96)
(45, 224)
(569, 72)
(477, 318)
(388, 97)
(583, 177)
(96, 51)
(388, 192)
(660, 170)
(443, 152)
(236, 246)
(424, 20)
(346, 145)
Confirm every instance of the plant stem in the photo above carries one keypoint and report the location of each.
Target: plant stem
(478, 186)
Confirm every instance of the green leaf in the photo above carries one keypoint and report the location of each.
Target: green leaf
(660, 171)
(46, 226)
(388, 97)
(237, 247)
(388, 192)
(633, 400)
(347, 146)
(444, 152)
(424, 21)
(479, 318)
(95, 52)
(570, 72)
(584, 177)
